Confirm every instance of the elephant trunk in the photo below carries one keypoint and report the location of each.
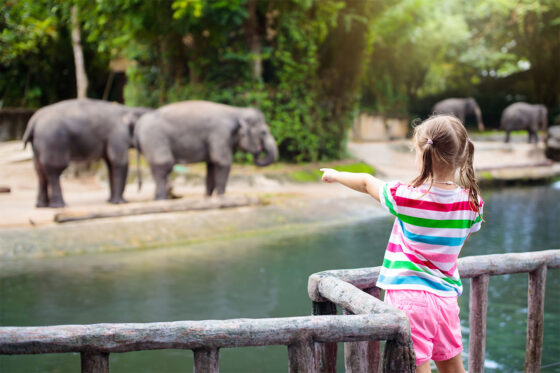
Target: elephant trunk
(478, 115)
(270, 150)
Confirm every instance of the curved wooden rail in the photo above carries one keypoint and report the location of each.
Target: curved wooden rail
(478, 268)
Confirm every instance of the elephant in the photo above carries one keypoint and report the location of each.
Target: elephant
(202, 131)
(460, 107)
(80, 130)
(524, 116)
(552, 149)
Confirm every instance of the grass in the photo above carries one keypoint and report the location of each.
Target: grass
(314, 174)
(499, 131)
(296, 172)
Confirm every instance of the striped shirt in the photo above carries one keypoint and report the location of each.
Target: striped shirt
(428, 234)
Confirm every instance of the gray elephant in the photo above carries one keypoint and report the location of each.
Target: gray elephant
(552, 149)
(202, 131)
(80, 130)
(460, 107)
(524, 116)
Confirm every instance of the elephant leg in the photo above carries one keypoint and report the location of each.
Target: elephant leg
(120, 173)
(118, 177)
(42, 194)
(221, 174)
(160, 174)
(53, 178)
(507, 137)
(117, 162)
(111, 180)
(210, 178)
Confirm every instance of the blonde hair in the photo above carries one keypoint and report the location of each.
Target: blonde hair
(444, 143)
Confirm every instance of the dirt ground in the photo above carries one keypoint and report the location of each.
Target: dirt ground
(392, 160)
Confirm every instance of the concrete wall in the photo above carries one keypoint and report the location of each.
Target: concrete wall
(368, 127)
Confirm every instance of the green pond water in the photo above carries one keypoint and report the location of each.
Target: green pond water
(266, 276)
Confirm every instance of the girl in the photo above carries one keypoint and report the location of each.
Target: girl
(434, 217)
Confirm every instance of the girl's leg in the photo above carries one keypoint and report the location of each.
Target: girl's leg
(424, 368)
(453, 365)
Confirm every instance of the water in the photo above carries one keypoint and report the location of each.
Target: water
(267, 277)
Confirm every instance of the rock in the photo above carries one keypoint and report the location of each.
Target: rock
(553, 143)
(4, 189)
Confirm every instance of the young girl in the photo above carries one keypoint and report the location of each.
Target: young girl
(434, 217)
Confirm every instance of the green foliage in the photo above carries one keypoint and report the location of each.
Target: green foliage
(36, 59)
(306, 105)
(424, 51)
(309, 65)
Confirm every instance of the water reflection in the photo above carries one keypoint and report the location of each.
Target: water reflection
(267, 277)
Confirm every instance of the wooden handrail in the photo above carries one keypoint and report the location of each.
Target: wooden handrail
(195, 334)
(205, 338)
(479, 269)
(469, 267)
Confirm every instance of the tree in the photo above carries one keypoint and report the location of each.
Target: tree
(81, 77)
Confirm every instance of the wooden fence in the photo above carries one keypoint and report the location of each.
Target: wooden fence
(300, 334)
(311, 341)
(330, 289)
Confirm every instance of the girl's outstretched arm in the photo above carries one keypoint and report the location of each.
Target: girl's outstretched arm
(360, 182)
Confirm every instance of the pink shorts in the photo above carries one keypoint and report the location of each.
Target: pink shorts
(434, 323)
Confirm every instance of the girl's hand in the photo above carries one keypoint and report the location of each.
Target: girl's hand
(329, 175)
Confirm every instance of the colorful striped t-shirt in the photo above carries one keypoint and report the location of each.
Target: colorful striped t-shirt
(428, 234)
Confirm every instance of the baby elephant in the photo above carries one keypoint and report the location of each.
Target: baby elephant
(80, 130)
(202, 131)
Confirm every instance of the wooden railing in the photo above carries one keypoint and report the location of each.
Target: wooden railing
(204, 338)
(311, 341)
(330, 289)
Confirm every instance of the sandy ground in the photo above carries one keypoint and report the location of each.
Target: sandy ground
(393, 160)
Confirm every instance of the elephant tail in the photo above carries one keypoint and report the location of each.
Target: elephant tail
(138, 170)
(28, 134)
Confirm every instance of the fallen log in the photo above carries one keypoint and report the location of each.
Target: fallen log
(157, 208)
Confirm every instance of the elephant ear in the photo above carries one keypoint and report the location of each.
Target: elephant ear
(129, 120)
(241, 127)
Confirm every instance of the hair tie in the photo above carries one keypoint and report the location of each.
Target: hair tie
(430, 142)
(469, 139)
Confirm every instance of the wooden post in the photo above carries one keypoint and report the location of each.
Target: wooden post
(399, 356)
(535, 320)
(206, 361)
(325, 353)
(355, 355)
(363, 356)
(95, 362)
(302, 356)
(374, 348)
(478, 305)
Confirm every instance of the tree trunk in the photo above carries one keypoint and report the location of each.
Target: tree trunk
(81, 77)
(254, 39)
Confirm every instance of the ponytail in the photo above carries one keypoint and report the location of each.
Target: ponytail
(467, 177)
(427, 167)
